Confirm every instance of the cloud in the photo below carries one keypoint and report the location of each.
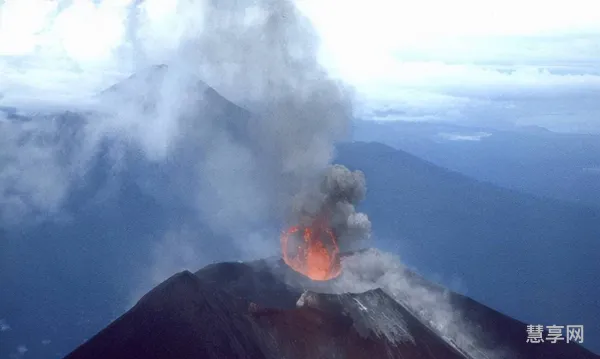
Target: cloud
(41, 161)
(486, 95)
(31, 176)
(403, 55)
(20, 352)
(4, 326)
(461, 62)
(592, 170)
(464, 137)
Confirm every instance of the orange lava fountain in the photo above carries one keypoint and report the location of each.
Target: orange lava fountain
(312, 251)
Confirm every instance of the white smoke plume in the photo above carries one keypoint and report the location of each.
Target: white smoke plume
(247, 165)
(239, 169)
(372, 269)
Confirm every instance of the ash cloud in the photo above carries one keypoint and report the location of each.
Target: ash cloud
(250, 168)
(243, 171)
(339, 191)
(344, 189)
(266, 54)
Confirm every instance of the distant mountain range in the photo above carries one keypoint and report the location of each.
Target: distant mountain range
(529, 257)
(531, 159)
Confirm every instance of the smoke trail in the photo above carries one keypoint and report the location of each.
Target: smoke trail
(246, 168)
(432, 305)
(339, 191)
(268, 52)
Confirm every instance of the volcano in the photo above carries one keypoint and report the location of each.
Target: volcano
(266, 309)
(312, 250)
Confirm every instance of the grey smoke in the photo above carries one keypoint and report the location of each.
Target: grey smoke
(266, 53)
(244, 173)
(339, 191)
(370, 313)
(262, 55)
(344, 189)
(372, 269)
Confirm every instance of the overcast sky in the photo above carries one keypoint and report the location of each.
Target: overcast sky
(485, 62)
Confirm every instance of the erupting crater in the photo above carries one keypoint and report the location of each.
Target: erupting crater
(312, 251)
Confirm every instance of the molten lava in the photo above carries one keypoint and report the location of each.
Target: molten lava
(311, 251)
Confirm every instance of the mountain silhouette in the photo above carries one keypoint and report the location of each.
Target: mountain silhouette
(224, 311)
(529, 158)
(524, 255)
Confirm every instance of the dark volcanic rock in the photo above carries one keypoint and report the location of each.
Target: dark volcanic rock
(263, 309)
(186, 317)
(181, 318)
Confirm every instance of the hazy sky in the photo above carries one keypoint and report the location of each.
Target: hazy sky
(489, 62)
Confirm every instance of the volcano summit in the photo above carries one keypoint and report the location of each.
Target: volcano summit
(263, 309)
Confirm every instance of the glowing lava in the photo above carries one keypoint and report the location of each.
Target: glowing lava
(311, 251)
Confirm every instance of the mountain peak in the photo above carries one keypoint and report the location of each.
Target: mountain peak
(209, 315)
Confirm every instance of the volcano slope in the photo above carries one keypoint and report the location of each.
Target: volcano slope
(263, 309)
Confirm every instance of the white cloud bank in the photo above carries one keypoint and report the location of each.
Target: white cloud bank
(476, 62)
(451, 136)
(527, 62)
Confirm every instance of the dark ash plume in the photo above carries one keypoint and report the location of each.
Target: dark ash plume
(336, 198)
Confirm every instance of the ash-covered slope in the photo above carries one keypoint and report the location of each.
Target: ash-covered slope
(262, 309)
(185, 317)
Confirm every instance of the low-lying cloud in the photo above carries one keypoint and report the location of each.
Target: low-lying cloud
(473, 137)
(4, 327)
